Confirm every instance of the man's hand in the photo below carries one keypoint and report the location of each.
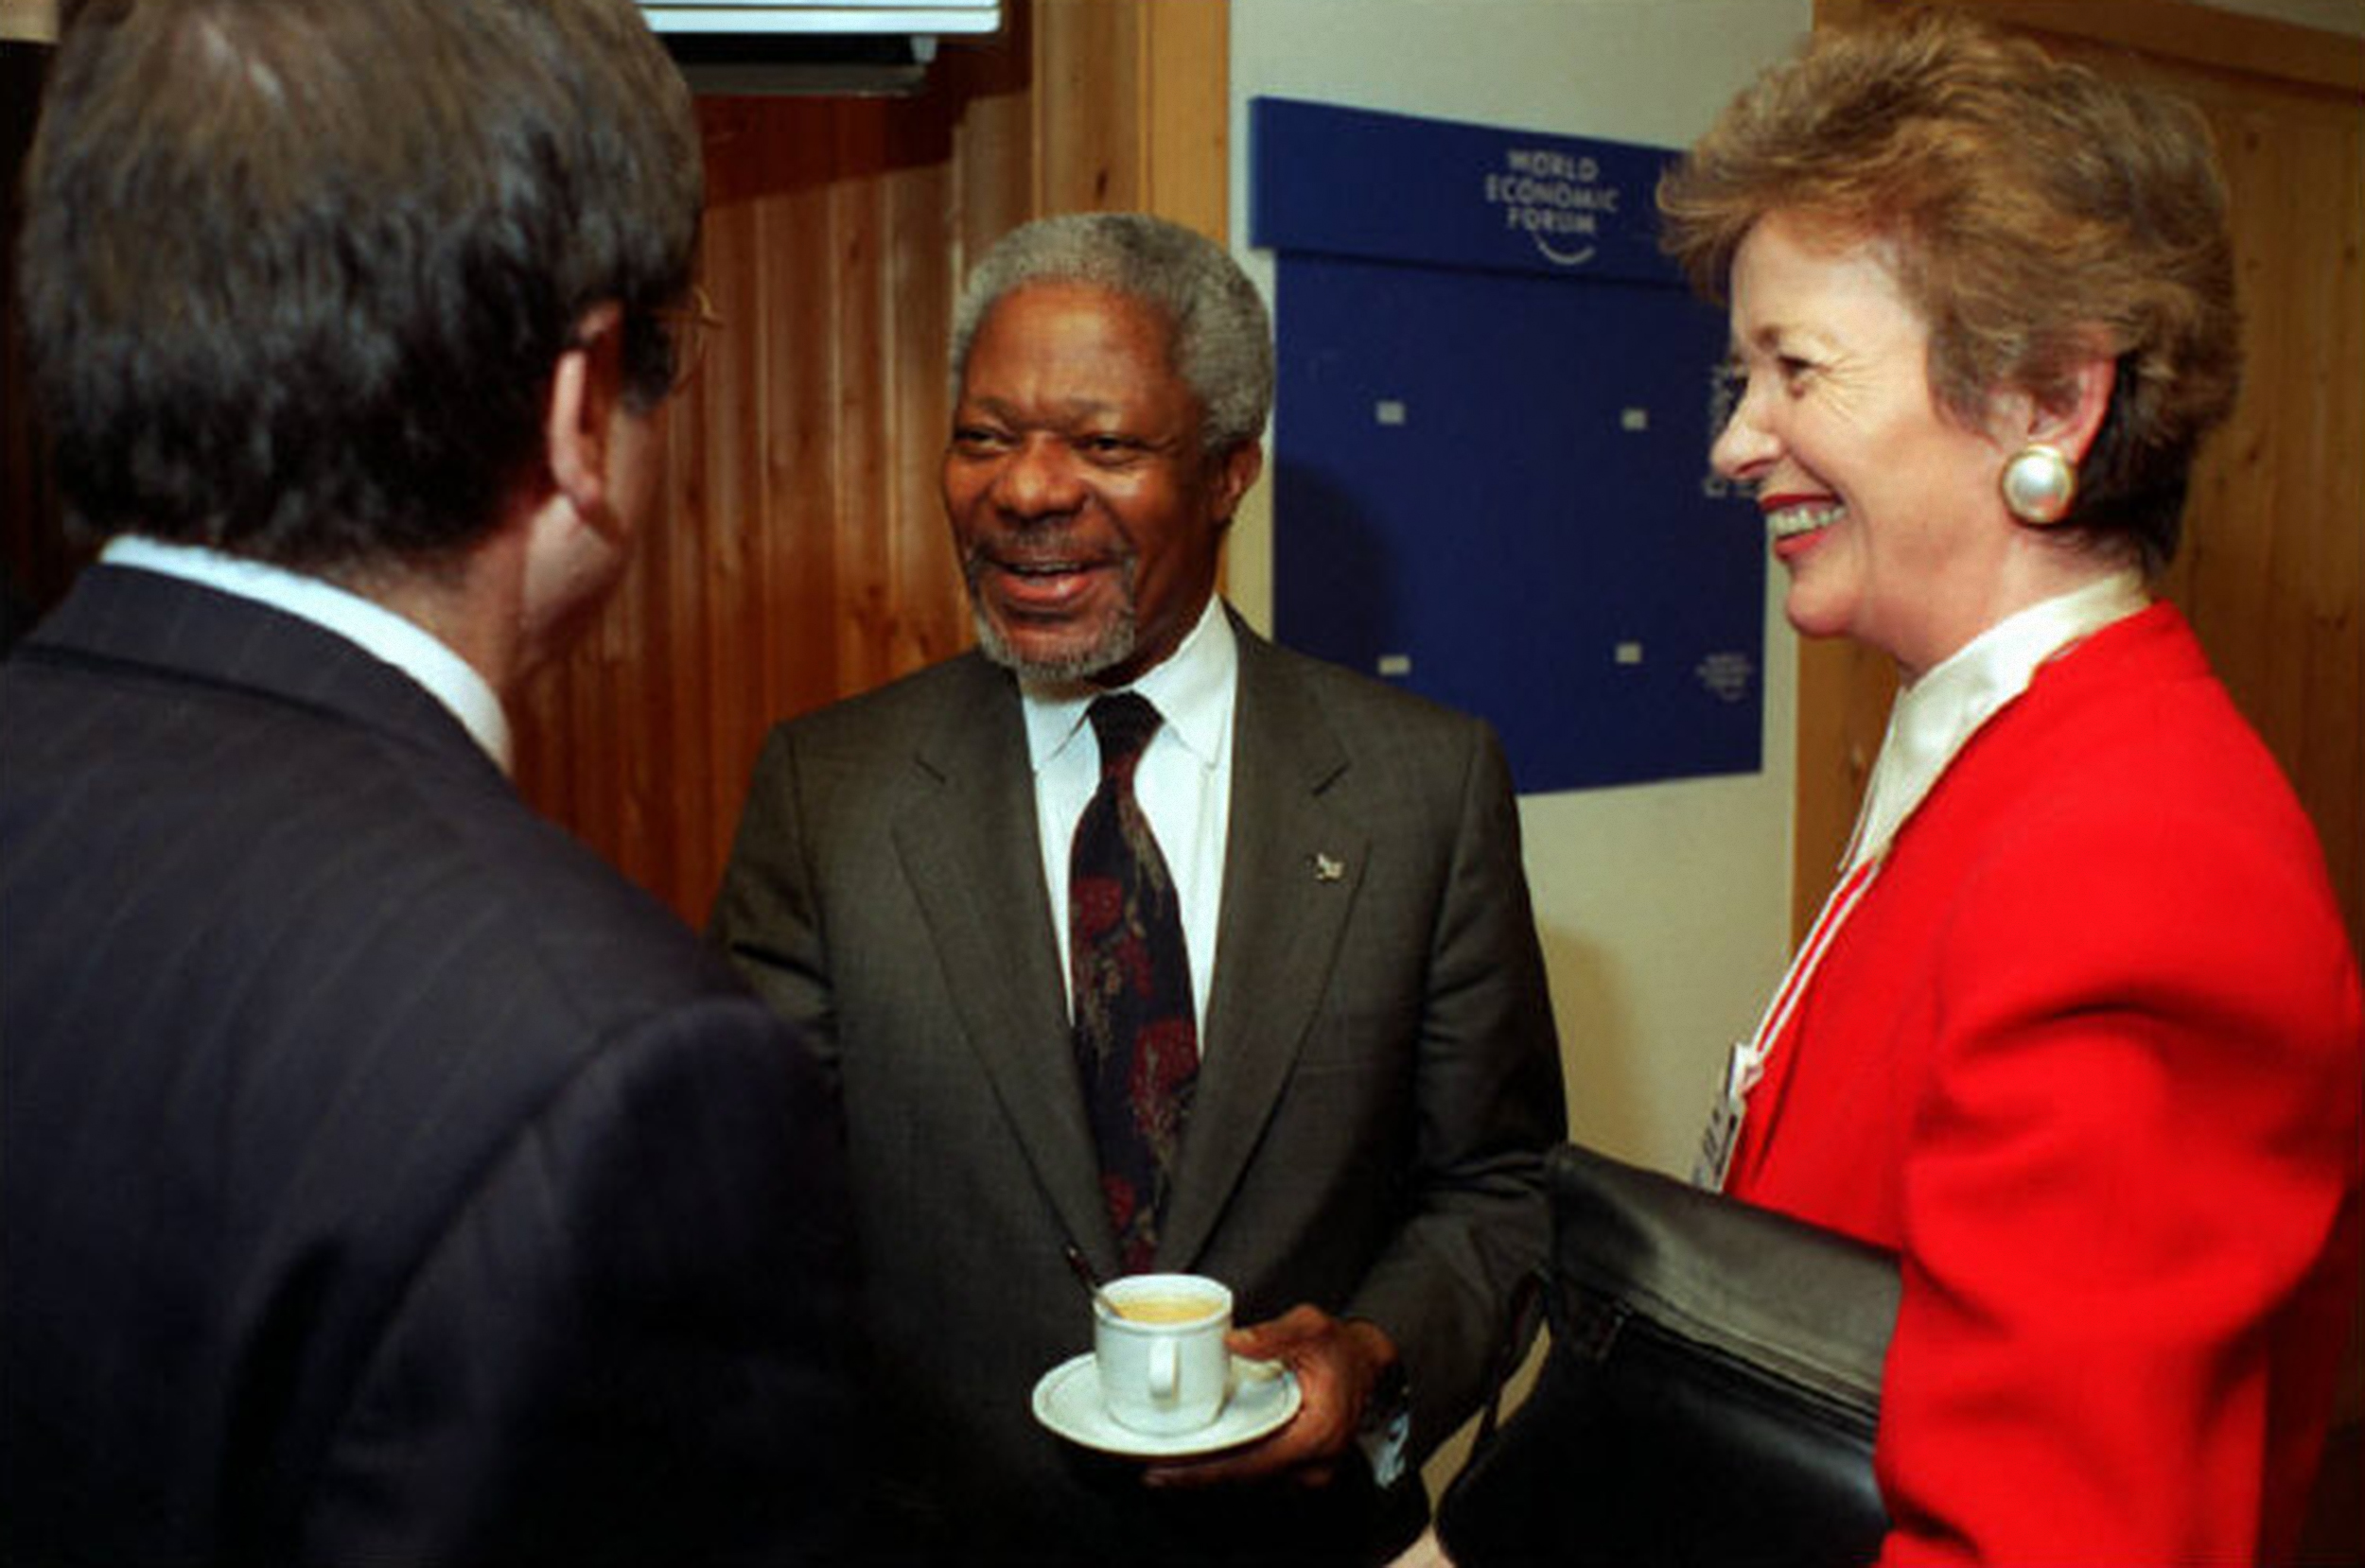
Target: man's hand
(1338, 1361)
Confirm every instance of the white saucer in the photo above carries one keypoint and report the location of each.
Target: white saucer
(1067, 1399)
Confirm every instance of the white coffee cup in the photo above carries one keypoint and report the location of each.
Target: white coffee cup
(1163, 1368)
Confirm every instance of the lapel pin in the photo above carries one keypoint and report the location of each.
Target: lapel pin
(1327, 869)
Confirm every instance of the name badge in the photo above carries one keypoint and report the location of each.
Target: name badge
(1723, 1133)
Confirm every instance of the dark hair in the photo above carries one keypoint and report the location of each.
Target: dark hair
(2030, 208)
(296, 272)
(1222, 336)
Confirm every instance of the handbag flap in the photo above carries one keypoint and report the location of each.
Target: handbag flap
(1799, 1300)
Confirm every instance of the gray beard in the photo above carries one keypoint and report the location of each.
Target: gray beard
(1114, 647)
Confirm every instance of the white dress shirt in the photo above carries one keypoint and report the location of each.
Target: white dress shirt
(373, 628)
(1183, 782)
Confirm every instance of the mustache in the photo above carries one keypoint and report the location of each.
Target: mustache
(1029, 548)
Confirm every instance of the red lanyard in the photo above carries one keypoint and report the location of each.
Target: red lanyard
(1745, 1066)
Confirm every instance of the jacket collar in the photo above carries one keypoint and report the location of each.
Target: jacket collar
(137, 621)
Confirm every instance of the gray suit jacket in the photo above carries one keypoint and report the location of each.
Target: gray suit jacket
(1380, 1073)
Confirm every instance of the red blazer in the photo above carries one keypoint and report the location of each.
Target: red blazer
(2089, 1055)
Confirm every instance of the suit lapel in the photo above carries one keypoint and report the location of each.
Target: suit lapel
(969, 845)
(1291, 869)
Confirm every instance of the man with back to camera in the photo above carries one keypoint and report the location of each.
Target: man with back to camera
(1339, 1103)
(386, 1180)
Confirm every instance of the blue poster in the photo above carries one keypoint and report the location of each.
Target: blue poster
(1491, 444)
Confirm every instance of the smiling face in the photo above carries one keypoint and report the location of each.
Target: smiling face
(1885, 510)
(1087, 517)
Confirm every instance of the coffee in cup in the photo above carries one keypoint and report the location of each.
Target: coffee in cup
(1159, 1347)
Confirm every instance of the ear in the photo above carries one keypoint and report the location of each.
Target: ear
(579, 412)
(1236, 471)
(2072, 416)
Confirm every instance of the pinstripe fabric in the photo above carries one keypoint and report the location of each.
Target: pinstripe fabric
(383, 1178)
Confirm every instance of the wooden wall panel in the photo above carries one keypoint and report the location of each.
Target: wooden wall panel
(1845, 690)
(1185, 53)
(1088, 113)
(2273, 570)
(994, 140)
(801, 553)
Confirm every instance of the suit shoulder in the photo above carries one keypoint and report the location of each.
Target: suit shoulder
(607, 951)
(903, 708)
(1360, 702)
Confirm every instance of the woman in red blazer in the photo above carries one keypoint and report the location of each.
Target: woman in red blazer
(2078, 1033)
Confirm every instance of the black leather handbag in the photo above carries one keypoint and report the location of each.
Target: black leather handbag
(1708, 1396)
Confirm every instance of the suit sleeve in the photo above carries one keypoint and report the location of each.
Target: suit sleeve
(1488, 1103)
(631, 1344)
(2121, 1196)
(765, 918)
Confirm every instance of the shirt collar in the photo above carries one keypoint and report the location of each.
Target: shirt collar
(1937, 715)
(377, 631)
(1191, 688)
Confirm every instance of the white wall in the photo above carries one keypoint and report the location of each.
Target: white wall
(1664, 909)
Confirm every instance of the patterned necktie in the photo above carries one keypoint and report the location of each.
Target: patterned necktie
(1136, 1036)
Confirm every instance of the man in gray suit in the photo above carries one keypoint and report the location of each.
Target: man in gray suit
(1371, 1072)
(386, 1182)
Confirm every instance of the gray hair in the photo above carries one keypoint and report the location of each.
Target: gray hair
(1223, 341)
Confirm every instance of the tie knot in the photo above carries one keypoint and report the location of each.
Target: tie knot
(1123, 721)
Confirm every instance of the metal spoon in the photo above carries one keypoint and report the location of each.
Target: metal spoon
(1077, 1262)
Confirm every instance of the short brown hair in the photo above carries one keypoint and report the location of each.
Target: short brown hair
(2026, 205)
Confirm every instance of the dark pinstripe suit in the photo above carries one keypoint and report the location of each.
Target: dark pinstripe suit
(384, 1180)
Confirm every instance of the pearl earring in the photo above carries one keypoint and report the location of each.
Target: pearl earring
(2038, 485)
